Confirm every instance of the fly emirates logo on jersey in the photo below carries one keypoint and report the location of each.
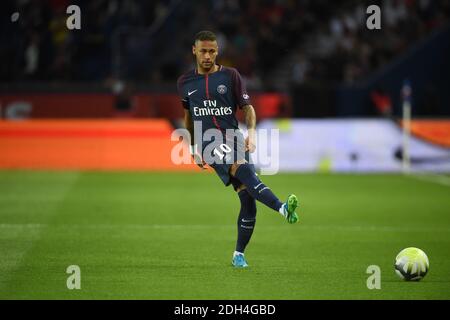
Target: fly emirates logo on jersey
(210, 108)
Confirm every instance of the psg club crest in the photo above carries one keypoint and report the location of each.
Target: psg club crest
(222, 89)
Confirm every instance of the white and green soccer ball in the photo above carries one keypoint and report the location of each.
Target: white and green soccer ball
(411, 264)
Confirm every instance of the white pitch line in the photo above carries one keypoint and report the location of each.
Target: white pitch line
(358, 228)
(431, 177)
(29, 234)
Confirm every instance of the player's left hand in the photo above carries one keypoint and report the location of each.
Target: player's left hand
(250, 145)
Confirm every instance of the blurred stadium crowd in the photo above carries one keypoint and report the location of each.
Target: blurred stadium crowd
(344, 50)
(40, 47)
(313, 39)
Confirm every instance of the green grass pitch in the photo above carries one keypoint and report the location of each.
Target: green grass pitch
(171, 236)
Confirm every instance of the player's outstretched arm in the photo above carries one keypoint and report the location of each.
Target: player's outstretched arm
(188, 123)
(250, 121)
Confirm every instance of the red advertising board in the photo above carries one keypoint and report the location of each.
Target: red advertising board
(144, 105)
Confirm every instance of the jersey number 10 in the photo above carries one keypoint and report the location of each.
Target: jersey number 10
(224, 148)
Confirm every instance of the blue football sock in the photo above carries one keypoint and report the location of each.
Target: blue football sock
(258, 190)
(246, 220)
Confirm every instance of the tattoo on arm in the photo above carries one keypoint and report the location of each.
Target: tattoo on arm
(250, 117)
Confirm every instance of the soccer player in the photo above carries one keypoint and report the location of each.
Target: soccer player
(211, 95)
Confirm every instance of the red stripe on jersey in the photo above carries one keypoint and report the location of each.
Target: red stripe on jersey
(207, 85)
(216, 123)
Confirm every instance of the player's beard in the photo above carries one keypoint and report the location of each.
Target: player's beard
(207, 66)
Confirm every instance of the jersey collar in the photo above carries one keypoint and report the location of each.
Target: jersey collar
(220, 69)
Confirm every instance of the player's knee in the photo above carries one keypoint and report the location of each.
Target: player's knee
(246, 174)
(234, 167)
(240, 188)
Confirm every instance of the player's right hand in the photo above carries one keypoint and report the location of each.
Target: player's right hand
(199, 161)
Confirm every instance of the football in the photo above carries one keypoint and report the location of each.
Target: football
(411, 264)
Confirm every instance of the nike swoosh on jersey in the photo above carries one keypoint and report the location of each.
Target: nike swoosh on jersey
(191, 92)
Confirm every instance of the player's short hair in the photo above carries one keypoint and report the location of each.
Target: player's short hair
(205, 35)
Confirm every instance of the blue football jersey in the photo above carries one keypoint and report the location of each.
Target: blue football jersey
(213, 98)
